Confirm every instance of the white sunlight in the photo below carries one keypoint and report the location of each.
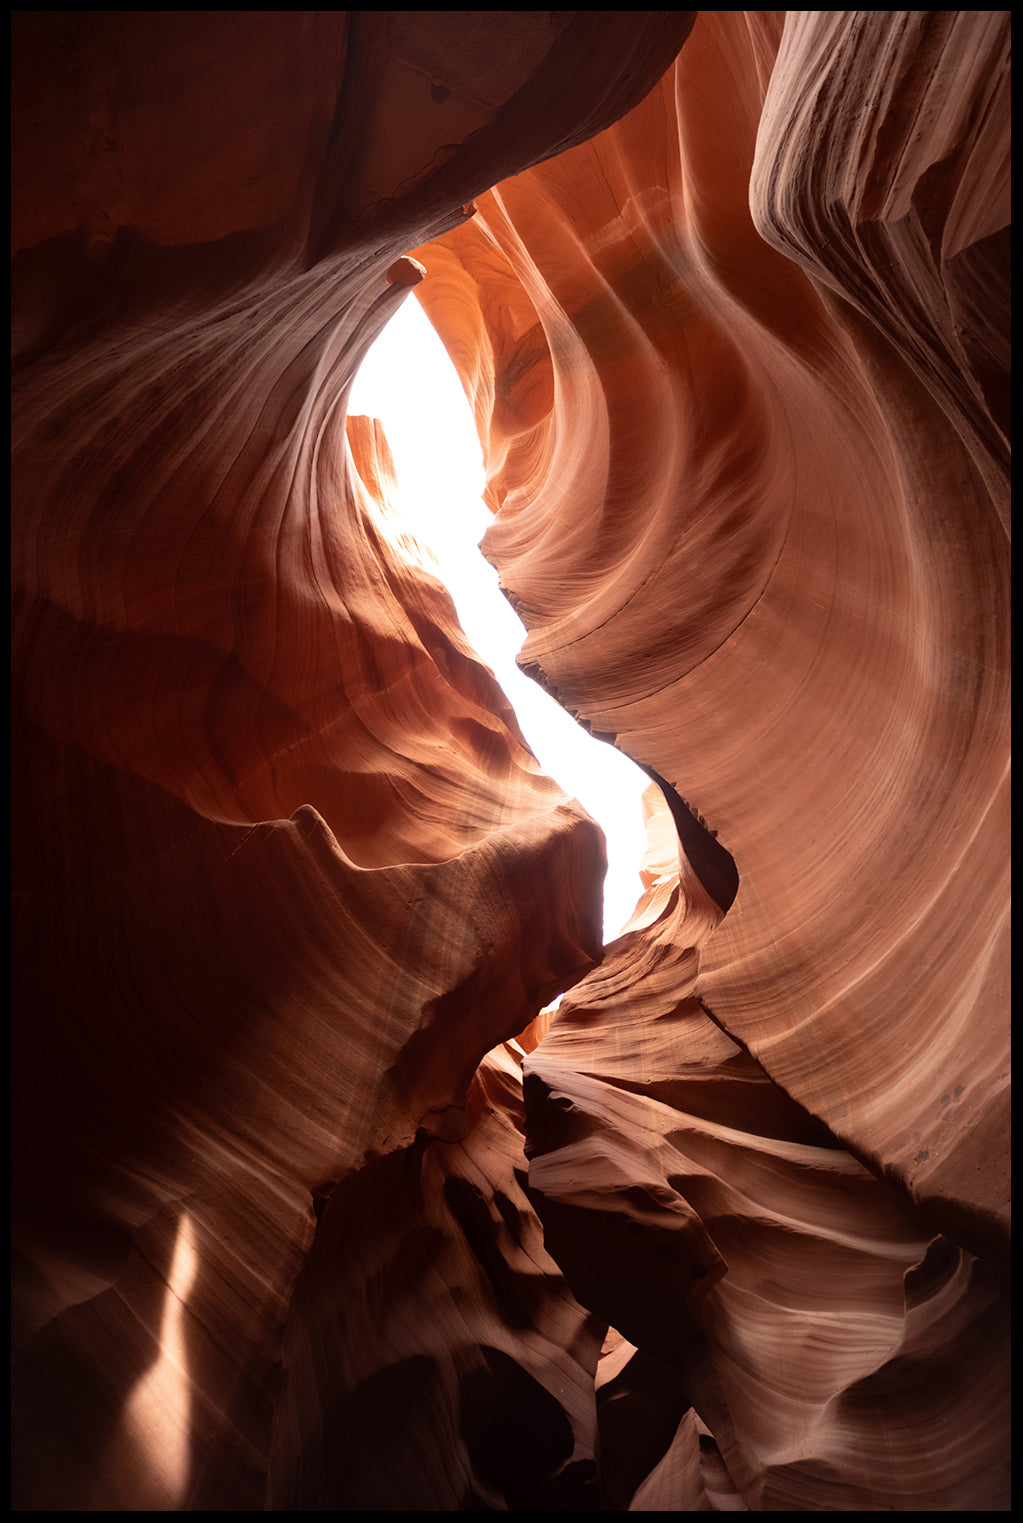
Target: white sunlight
(410, 384)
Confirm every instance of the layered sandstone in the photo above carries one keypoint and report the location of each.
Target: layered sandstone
(316, 1206)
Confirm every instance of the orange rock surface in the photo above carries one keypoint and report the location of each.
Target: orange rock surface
(316, 1205)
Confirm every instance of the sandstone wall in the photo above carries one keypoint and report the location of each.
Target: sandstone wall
(313, 1208)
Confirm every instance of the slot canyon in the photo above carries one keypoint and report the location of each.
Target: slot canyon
(320, 1201)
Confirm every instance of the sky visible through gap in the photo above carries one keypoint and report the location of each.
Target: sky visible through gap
(410, 384)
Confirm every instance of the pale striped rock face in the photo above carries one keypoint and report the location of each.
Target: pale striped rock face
(318, 1204)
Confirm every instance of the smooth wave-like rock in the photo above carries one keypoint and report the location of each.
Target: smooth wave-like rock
(270, 912)
(320, 1201)
(731, 1237)
(822, 671)
(752, 512)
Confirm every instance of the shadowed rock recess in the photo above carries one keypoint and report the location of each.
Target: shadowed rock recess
(317, 1205)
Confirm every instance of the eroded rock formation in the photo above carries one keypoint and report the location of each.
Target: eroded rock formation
(317, 1206)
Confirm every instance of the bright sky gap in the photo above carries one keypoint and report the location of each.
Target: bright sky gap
(408, 381)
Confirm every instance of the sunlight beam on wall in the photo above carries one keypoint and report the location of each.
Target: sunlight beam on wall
(160, 1410)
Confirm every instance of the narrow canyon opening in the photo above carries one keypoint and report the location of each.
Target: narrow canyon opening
(409, 383)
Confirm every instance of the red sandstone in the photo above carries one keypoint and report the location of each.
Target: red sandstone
(317, 1206)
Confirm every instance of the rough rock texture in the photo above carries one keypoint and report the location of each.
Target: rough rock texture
(316, 1205)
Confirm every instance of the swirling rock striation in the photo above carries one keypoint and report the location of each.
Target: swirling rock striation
(318, 1204)
(284, 868)
(752, 511)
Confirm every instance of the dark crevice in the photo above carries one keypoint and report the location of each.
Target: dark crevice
(712, 863)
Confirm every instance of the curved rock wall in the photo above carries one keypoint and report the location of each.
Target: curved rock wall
(289, 1231)
(752, 511)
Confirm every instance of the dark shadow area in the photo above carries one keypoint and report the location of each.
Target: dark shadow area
(713, 865)
(520, 1440)
(638, 1414)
